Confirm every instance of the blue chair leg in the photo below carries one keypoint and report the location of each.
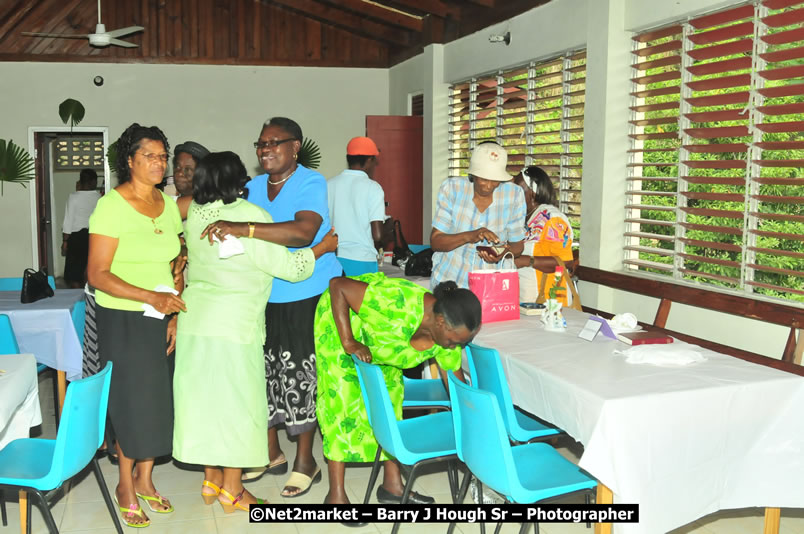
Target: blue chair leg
(375, 470)
(106, 497)
(29, 508)
(3, 508)
(461, 496)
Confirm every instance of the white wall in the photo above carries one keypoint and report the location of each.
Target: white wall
(223, 107)
(605, 27)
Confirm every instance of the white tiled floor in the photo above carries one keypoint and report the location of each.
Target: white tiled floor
(81, 509)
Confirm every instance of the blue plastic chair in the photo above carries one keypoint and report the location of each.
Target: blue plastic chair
(424, 393)
(414, 442)
(487, 374)
(8, 341)
(418, 248)
(524, 474)
(15, 284)
(41, 466)
(356, 268)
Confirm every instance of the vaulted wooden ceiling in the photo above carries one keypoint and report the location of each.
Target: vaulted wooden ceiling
(342, 33)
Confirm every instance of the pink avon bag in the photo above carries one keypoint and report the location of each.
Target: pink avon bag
(498, 292)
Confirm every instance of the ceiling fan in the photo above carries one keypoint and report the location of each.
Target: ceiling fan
(101, 37)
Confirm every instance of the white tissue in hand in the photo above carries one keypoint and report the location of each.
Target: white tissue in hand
(231, 246)
(150, 311)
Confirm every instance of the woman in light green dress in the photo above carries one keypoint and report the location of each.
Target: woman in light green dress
(395, 324)
(219, 384)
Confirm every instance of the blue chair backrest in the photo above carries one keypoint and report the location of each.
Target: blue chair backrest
(15, 284)
(480, 436)
(8, 341)
(79, 315)
(418, 248)
(356, 268)
(488, 375)
(378, 406)
(83, 421)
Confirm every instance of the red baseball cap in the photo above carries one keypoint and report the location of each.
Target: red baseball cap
(362, 146)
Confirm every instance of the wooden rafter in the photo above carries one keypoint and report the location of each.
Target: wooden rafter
(388, 16)
(337, 17)
(432, 7)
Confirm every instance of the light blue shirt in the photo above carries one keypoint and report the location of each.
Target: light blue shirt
(306, 190)
(354, 201)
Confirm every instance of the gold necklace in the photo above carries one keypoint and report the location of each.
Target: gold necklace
(157, 230)
(285, 180)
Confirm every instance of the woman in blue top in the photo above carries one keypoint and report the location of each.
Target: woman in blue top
(296, 198)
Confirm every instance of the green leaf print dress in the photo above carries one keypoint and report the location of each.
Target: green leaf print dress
(391, 312)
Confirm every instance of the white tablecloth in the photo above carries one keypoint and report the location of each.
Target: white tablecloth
(45, 329)
(19, 397)
(392, 271)
(681, 442)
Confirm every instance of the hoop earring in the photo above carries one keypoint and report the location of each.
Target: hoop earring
(295, 155)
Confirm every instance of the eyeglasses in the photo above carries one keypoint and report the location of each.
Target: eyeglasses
(153, 158)
(186, 171)
(259, 145)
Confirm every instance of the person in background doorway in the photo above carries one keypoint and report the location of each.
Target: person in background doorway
(75, 237)
(357, 208)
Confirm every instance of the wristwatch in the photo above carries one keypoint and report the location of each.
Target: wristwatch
(251, 227)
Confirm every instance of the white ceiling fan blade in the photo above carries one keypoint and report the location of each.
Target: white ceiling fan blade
(125, 31)
(125, 44)
(60, 35)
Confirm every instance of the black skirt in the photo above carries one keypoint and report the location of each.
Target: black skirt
(75, 263)
(140, 414)
(290, 364)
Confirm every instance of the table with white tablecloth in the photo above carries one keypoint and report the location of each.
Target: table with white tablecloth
(682, 442)
(45, 329)
(19, 397)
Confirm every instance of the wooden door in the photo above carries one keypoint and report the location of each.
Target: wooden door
(399, 139)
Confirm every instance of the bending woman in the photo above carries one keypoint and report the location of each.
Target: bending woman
(393, 323)
(221, 335)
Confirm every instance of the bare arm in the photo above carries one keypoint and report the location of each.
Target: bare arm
(101, 253)
(545, 264)
(297, 233)
(184, 205)
(442, 242)
(376, 234)
(347, 294)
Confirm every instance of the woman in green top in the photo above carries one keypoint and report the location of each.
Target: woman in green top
(393, 323)
(219, 344)
(134, 238)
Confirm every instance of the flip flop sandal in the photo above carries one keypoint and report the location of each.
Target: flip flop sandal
(158, 499)
(132, 511)
(301, 481)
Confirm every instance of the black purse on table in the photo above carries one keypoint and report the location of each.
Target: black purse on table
(35, 286)
(401, 250)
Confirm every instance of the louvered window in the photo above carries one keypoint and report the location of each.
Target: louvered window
(536, 112)
(715, 188)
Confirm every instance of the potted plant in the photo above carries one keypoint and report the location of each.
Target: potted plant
(16, 164)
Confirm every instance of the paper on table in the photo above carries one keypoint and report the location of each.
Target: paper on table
(231, 246)
(673, 355)
(150, 311)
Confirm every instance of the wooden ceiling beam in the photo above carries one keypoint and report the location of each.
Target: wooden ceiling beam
(432, 7)
(387, 16)
(333, 16)
(16, 14)
(484, 3)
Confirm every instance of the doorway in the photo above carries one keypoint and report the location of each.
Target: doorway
(60, 153)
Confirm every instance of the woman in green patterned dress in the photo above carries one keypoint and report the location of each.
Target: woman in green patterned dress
(396, 324)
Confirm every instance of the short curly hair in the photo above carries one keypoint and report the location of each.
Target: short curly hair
(130, 142)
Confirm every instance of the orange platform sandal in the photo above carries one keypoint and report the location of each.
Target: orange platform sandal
(235, 503)
(209, 498)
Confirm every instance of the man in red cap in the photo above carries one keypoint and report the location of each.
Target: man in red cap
(357, 208)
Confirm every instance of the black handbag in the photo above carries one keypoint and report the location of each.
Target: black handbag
(420, 264)
(401, 250)
(35, 286)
